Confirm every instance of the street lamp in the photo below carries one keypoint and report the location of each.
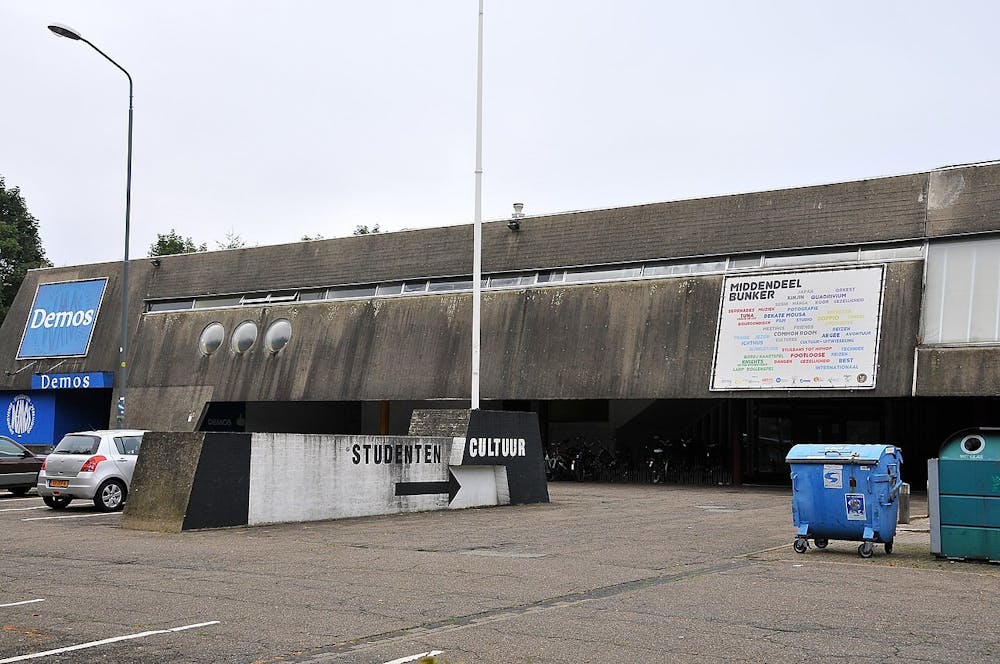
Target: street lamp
(69, 33)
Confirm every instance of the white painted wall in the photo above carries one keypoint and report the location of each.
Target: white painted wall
(479, 487)
(312, 477)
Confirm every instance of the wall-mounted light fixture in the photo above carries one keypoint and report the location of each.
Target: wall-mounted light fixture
(515, 219)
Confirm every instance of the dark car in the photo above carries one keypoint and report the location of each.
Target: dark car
(18, 467)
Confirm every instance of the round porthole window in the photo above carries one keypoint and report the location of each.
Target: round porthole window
(244, 337)
(278, 334)
(211, 338)
(973, 444)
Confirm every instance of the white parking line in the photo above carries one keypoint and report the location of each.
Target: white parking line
(410, 658)
(69, 516)
(22, 509)
(92, 644)
(27, 601)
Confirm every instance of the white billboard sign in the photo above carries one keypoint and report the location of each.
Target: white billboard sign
(810, 329)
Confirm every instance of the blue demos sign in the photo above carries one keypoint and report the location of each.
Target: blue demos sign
(62, 319)
(73, 381)
(27, 418)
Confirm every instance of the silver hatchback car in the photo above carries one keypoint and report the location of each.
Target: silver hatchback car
(95, 465)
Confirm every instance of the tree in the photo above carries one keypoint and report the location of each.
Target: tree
(318, 236)
(20, 247)
(172, 243)
(233, 241)
(363, 229)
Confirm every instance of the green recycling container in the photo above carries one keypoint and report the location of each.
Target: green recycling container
(963, 496)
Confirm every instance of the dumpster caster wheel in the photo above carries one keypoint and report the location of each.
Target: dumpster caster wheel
(866, 549)
(888, 547)
(801, 545)
(821, 542)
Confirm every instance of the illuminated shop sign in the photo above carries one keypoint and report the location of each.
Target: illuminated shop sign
(62, 318)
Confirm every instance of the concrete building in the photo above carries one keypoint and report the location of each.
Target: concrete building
(725, 328)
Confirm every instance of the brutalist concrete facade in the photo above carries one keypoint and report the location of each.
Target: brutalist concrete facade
(649, 339)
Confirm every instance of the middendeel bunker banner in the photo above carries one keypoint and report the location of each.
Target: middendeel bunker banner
(808, 329)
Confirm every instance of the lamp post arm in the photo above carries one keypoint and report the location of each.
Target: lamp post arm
(109, 59)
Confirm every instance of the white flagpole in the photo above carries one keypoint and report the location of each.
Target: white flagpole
(477, 233)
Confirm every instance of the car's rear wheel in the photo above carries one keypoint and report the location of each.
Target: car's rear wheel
(57, 502)
(110, 497)
(20, 490)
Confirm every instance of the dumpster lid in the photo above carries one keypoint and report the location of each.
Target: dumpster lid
(839, 453)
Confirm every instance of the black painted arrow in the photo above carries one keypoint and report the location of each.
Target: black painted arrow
(450, 487)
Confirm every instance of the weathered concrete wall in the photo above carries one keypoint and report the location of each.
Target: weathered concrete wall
(162, 481)
(439, 422)
(627, 340)
(187, 481)
(958, 372)
(634, 340)
(852, 212)
(314, 477)
(168, 407)
(963, 200)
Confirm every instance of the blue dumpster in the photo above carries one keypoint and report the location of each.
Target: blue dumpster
(845, 492)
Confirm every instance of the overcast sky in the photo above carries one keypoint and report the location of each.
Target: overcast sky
(273, 120)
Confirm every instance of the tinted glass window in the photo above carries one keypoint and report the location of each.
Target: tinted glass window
(445, 285)
(507, 280)
(128, 444)
(548, 277)
(10, 449)
(389, 289)
(77, 445)
(602, 274)
(806, 258)
(177, 305)
(283, 296)
(211, 338)
(893, 253)
(244, 336)
(278, 334)
(708, 266)
(741, 262)
(208, 302)
(666, 269)
(351, 291)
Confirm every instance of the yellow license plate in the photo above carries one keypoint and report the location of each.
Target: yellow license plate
(59, 484)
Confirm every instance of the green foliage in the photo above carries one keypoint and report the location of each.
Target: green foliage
(233, 241)
(363, 229)
(171, 243)
(318, 236)
(20, 247)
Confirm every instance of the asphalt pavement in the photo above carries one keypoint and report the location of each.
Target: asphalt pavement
(605, 572)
